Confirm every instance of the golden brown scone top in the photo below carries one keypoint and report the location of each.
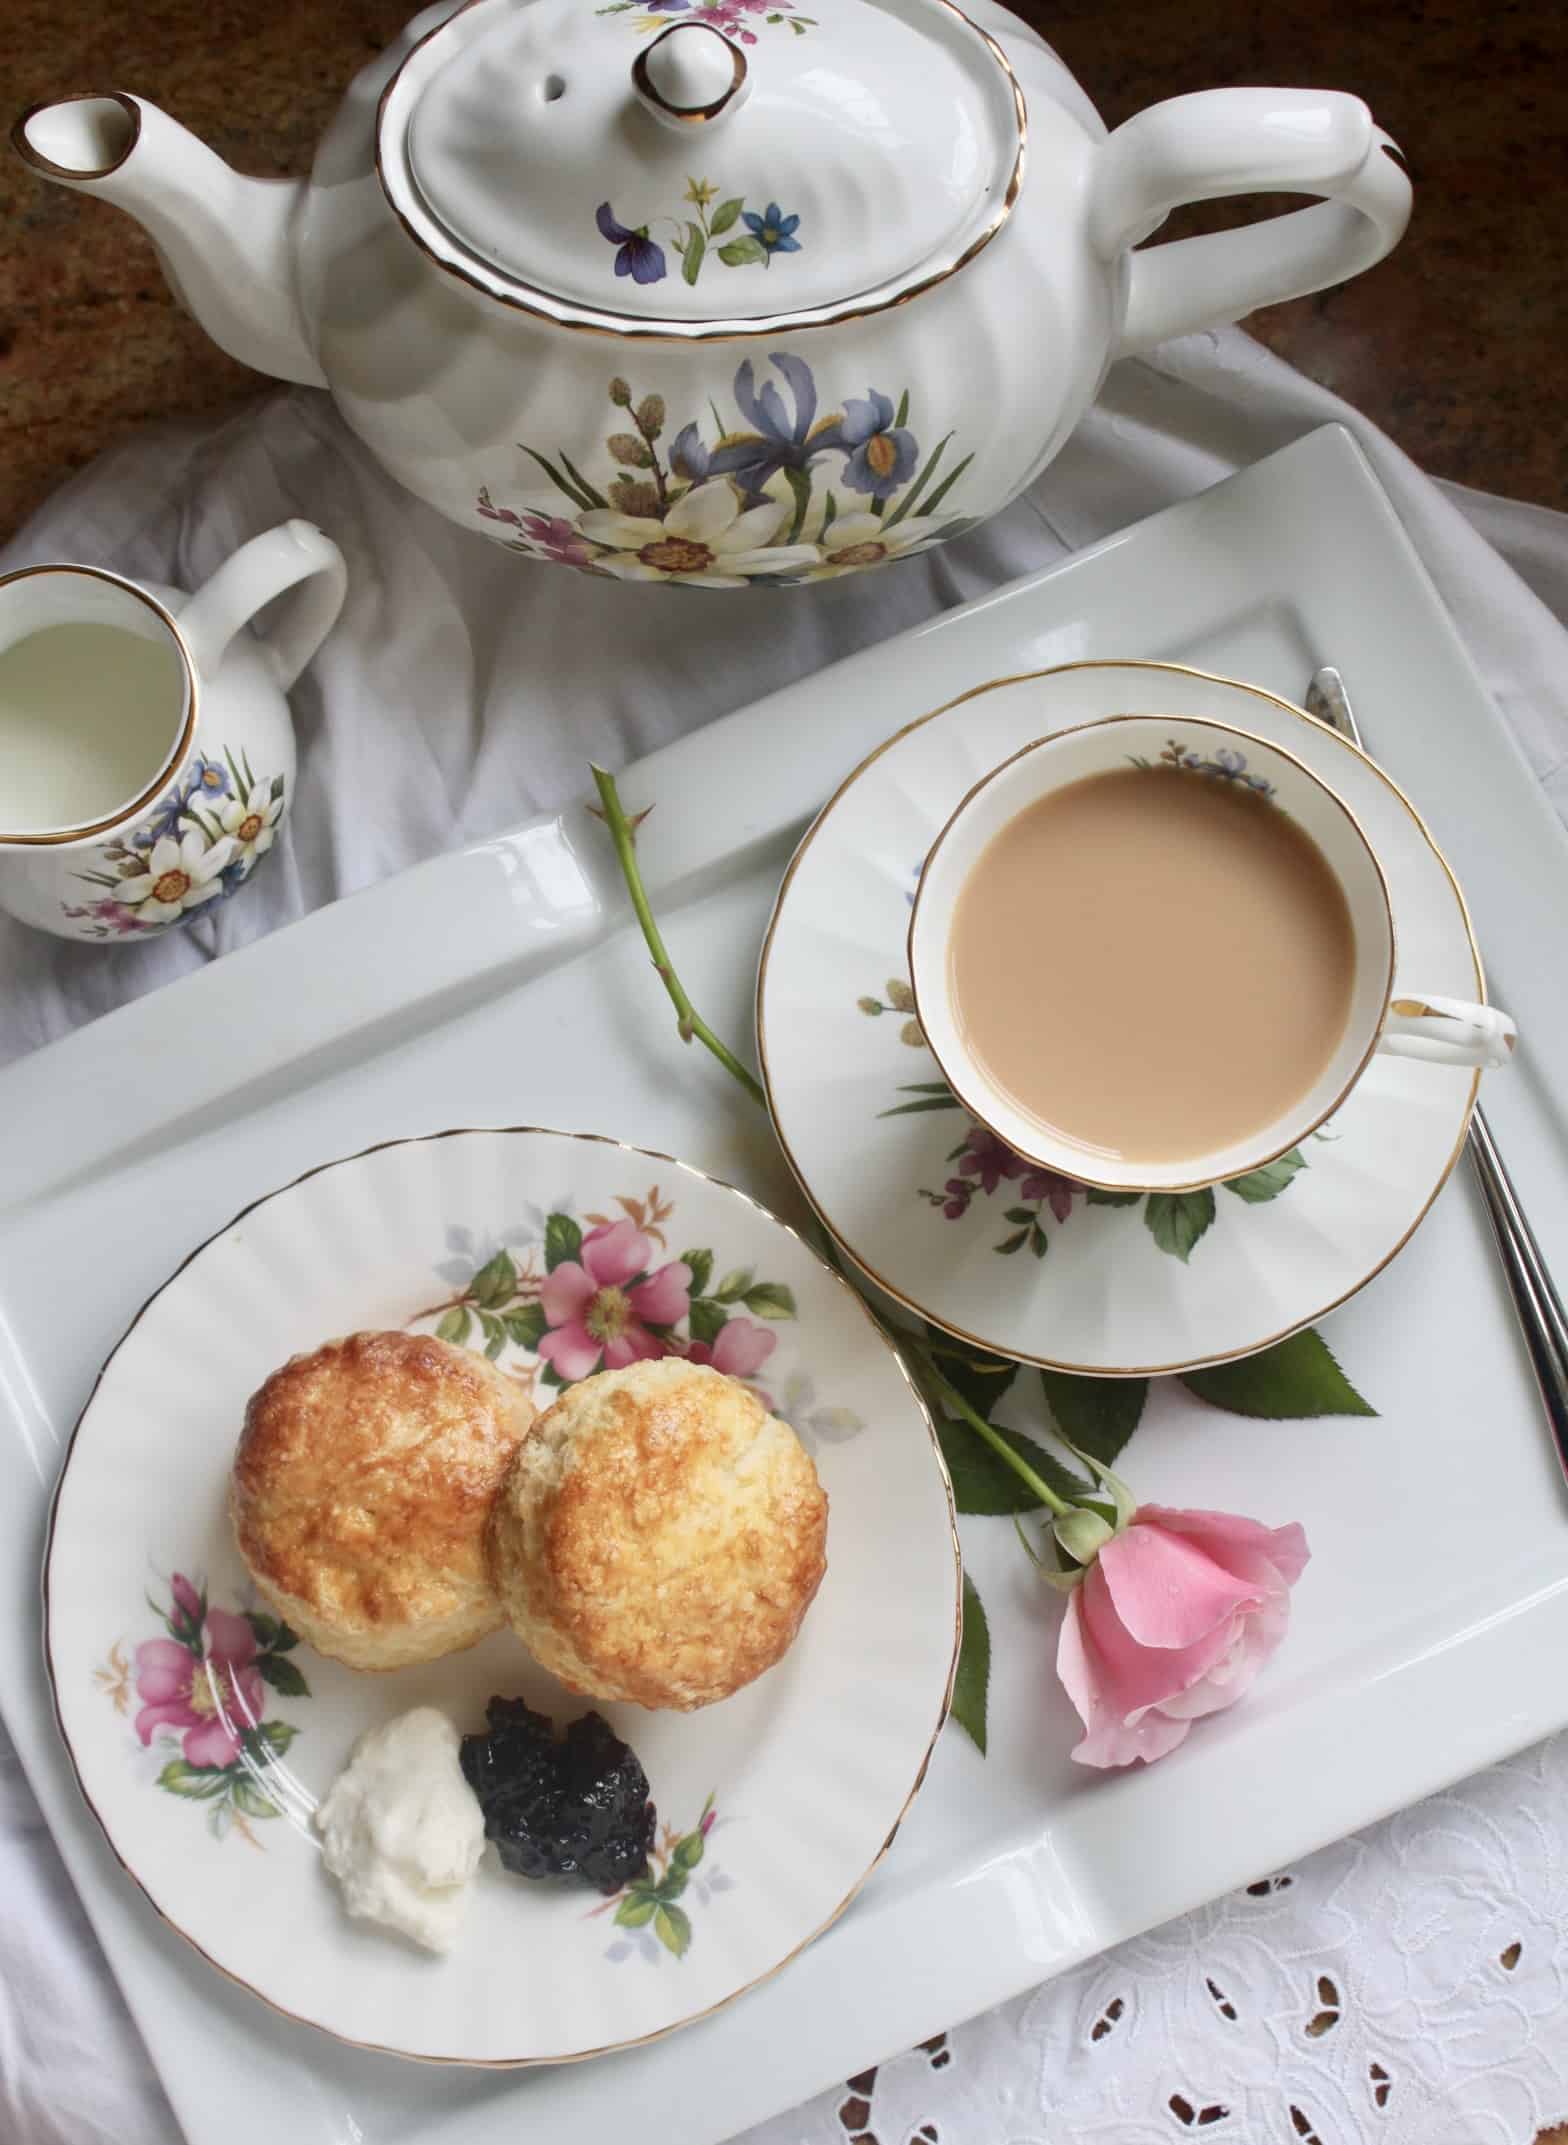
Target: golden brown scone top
(660, 1535)
(365, 1473)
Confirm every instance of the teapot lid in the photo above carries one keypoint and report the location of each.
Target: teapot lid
(691, 168)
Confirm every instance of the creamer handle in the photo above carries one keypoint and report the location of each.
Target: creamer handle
(258, 571)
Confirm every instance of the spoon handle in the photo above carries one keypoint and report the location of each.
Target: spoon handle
(1537, 1304)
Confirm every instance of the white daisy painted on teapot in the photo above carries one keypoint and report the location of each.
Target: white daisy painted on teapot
(147, 749)
(726, 293)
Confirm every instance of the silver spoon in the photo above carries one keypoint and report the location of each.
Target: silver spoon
(1541, 1317)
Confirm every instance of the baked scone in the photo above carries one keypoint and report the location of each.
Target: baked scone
(659, 1536)
(363, 1480)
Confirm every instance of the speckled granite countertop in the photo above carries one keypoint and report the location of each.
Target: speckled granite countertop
(1454, 345)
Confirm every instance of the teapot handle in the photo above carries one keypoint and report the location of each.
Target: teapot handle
(1243, 141)
(258, 571)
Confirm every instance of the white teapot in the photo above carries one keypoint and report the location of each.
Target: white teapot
(722, 291)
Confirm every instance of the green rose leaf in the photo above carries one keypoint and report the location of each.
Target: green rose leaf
(1289, 1382)
(636, 1909)
(707, 1320)
(741, 251)
(198, 1783)
(549, 1375)
(494, 1332)
(527, 1325)
(1099, 1415)
(672, 1928)
(264, 1629)
(984, 1483)
(252, 1800)
(1176, 1220)
(1020, 1214)
(275, 1735)
(701, 1265)
(1269, 1181)
(496, 1281)
(1015, 1242)
(982, 1378)
(974, 1669)
(734, 1285)
(454, 1326)
(1099, 1196)
(563, 1240)
(770, 1299)
(692, 252)
(283, 1675)
(672, 1883)
(286, 1640)
(725, 216)
(689, 1851)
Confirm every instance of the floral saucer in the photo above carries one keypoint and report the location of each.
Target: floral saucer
(203, 1732)
(952, 1224)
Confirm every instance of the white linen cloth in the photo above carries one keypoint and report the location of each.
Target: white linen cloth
(464, 690)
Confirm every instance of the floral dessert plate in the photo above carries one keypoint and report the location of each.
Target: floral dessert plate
(203, 1732)
(949, 1221)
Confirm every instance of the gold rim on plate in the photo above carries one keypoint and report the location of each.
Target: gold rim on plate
(650, 1154)
(1027, 677)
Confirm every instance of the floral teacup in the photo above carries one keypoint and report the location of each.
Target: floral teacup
(146, 751)
(1384, 1015)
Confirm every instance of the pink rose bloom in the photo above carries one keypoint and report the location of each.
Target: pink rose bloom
(740, 1350)
(1173, 1620)
(595, 1312)
(200, 1698)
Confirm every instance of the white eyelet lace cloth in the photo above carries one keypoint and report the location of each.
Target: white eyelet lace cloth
(1406, 1987)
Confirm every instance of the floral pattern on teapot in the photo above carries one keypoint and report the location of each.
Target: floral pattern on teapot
(201, 841)
(731, 17)
(792, 494)
(696, 239)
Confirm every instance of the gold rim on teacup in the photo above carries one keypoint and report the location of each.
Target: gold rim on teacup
(1381, 1019)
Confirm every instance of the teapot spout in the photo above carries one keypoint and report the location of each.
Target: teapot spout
(225, 243)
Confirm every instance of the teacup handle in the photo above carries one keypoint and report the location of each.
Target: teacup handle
(264, 568)
(1447, 1031)
(1243, 141)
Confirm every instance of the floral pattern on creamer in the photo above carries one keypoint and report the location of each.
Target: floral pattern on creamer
(201, 841)
(647, 1909)
(575, 1294)
(733, 18)
(696, 239)
(981, 1165)
(203, 1689)
(782, 493)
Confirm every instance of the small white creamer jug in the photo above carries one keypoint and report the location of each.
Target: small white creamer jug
(146, 749)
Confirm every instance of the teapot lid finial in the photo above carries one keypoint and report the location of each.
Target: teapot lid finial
(588, 161)
(691, 76)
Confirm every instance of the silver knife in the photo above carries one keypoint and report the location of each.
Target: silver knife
(1541, 1316)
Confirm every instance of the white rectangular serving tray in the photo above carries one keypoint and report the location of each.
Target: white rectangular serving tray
(505, 984)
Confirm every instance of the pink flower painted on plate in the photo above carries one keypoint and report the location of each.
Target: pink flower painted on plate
(199, 1698)
(1174, 1619)
(599, 1311)
(988, 1158)
(740, 1351)
(1055, 1192)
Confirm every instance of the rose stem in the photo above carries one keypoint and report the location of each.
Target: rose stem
(977, 1422)
(690, 1022)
